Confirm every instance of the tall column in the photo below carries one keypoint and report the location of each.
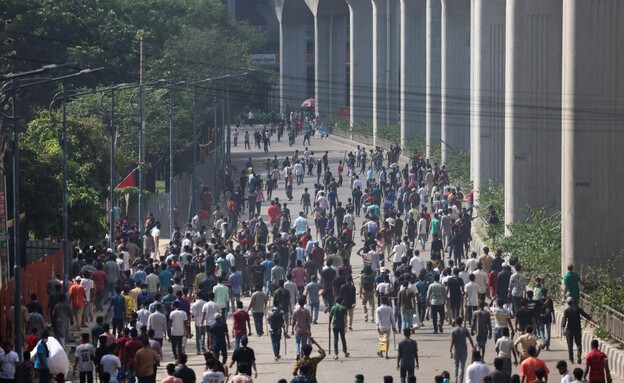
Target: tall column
(432, 78)
(385, 64)
(293, 65)
(487, 94)
(455, 82)
(330, 65)
(532, 106)
(413, 69)
(293, 17)
(593, 130)
(361, 56)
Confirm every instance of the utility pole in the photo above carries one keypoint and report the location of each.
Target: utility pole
(195, 155)
(171, 199)
(141, 130)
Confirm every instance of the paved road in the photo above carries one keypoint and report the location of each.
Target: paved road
(362, 341)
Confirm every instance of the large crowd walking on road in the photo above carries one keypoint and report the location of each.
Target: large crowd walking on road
(293, 261)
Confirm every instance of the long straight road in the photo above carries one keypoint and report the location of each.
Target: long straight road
(362, 341)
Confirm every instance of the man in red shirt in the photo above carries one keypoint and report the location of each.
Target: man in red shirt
(274, 213)
(99, 280)
(241, 324)
(132, 346)
(597, 365)
(77, 296)
(530, 364)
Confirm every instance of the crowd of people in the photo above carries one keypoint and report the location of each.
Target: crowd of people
(292, 267)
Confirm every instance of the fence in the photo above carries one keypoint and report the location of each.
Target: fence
(605, 317)
(35, 277)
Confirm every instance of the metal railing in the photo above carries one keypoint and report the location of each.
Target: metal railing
(604, 317)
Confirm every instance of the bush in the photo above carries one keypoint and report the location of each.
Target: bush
(390, 133)
(603, 286)
(493, 194)
(363, 128)
(536, 241)
(458, 168)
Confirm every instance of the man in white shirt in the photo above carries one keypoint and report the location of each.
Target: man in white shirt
(157, 321)
(88, 284)
(177, 322)
(477, 370)
(196, 312)
(481, 279)
(471, 264)
(208, 312)
(322, 201)
(562, 367)
(398, 252)
(298, 170)
(422, 231)
(472, 297)
(385, 323)
(417, 263)
(111, 364)
(357, 183)
(300, 224)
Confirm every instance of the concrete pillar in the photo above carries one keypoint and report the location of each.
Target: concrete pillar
(293, 17)
(330, 65)
(361, 56)
(385, 64)
(532, 106)
(593, 130)
(487, 94)
(455, 77)
(413, 69)
(432, 78)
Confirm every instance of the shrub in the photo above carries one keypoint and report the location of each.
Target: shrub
(536, 241)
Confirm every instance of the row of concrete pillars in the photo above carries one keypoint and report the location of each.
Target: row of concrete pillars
(531, 87)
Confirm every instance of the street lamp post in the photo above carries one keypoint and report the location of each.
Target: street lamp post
(195, 155)
(171, 199)
(113, 134)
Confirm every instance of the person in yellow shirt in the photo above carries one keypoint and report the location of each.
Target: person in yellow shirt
(129, 303)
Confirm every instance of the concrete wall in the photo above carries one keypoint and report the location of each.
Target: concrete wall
(361, 56)
(413, 69)
(385, 63)
(487, 93)
(432, 80)
(593, 129)
(330, 67)
(293, 17)
(455, 81)
(533, 106)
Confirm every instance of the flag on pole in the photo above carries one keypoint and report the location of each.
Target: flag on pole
(128, 181)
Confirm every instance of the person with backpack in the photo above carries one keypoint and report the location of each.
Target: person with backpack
(276, 323)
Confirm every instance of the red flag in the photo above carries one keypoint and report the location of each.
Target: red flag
(127, 182)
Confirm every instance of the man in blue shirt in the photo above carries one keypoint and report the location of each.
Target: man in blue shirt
(164, 278)
(41, 359)
(118, 306)
(236, 282)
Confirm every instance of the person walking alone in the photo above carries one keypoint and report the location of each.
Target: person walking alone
(407, 356)
(337, 323)
(459, 349)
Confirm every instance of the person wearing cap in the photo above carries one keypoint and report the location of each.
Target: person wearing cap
(220, 337)
(572, 327)
(77, 298)
(359, 378)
